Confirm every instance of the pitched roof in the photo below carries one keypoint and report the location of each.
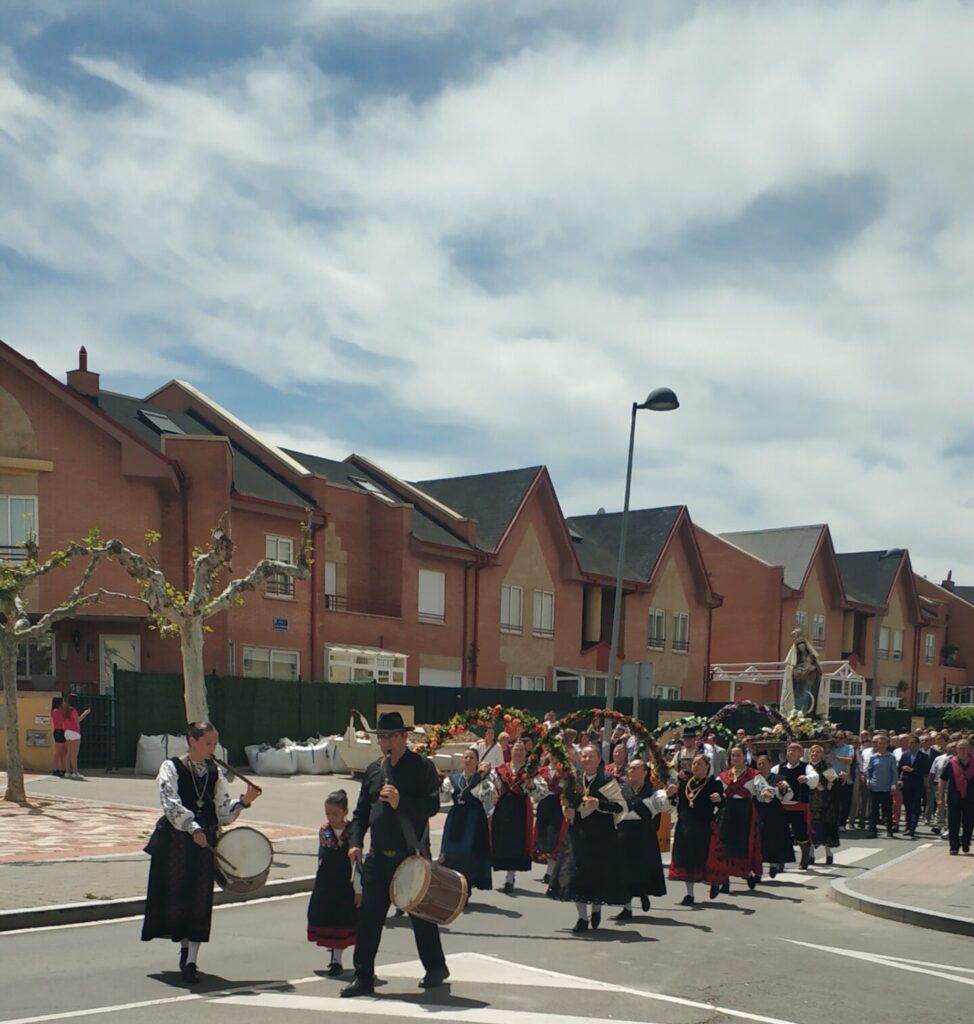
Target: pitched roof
(251, 477)
(868, 575)
(492, 499)
(791, 547)
(964, 593)
(598, 548)
(350, 474)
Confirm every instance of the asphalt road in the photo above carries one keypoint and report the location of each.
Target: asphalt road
(784, 953)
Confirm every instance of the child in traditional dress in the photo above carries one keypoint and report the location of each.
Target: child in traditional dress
(338, 889)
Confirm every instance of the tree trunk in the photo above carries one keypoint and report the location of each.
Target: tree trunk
(194, 678)
(16, 793)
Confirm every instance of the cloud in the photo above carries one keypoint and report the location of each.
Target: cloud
(494, 232)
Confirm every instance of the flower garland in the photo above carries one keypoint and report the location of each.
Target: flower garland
(514, 721)
(581, 720)
(520, 724)
(796, 725)
(749, 705)
(698, 722)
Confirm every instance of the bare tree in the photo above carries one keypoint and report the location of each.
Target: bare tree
(184, 614)
(16, 628)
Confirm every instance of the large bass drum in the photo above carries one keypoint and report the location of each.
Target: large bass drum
(243, 859)
(428, 891)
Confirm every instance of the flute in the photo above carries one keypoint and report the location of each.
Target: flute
(234, 774)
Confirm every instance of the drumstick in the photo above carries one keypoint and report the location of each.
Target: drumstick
(219, 856)
(236, 774)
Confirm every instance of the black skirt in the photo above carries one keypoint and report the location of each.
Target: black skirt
(331, 909)
(179, 900)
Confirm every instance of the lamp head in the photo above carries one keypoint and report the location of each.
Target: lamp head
(661, 400)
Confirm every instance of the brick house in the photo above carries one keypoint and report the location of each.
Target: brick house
(946, 643)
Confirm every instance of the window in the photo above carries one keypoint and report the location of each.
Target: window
(923, 698)
(656, 635)
(593, 686)
(959, 695)
(543, 622)
(512, 598)
(525, 682)
(897, 645)
(681, 632)
(432, 600)
(372, 488)
(666, 692)
(160, 422)
(18, 523)
(331, 585)
(887, 697)
(280, 549)
(361, 664)
(801, 620)
(929, 642)
(884, 641)
(267, 663)
(818, 629)
(36, 658)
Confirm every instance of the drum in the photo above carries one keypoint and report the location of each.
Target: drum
(243, 859)
(429, 891)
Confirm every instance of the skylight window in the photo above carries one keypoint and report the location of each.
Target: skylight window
(368, 485)
(160, 421)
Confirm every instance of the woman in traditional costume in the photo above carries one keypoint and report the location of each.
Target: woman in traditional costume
(590, 871)
(638, 835)
(195, 802)
(512, 823)
(466, 834)
(739, 834)
(824, 802)
(697, 854)
(550, 824)
(776, 846)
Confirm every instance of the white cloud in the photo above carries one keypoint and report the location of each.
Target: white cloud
(490, 245)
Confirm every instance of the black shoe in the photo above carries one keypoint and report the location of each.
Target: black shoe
(773, 870)
(597, 917)
(183, 953)
(624, 915)
(334, 969)
(400, 913)
(546, 880)
(358, 987)
(507, 888)
(954, 853)
(581, 925)
(435, 977)
(828, 859)
(190, 974)
(644, 903)
(715, 891)
(806, 856)
(966, 849)
(725, 887)
(687, 901)
(752, 881)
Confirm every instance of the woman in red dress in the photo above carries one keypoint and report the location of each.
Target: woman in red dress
(739, 832)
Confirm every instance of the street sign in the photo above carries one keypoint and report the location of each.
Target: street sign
(280, 625)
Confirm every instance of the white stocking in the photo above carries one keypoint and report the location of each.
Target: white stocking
(509, 880)
(193, 952)
(582, 910)
(689, 886)
(336, 956)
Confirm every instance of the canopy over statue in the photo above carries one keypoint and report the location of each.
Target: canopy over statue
(801, 685)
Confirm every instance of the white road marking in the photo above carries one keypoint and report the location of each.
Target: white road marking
(849, 855)
(165, 1001)
(889, 961)
(384, 1007)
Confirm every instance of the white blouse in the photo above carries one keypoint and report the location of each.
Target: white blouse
(177, 813)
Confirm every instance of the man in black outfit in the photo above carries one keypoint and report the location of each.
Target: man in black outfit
(401, 785)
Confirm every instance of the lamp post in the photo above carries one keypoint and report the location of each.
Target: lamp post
(660, 400)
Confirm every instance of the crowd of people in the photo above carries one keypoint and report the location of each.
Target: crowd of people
(739, 811)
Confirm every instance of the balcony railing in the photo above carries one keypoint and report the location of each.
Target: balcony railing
(543, 631)
(434, 618)
(280, 586)
(656, 643)
(681, 646)
(358, 606)
(12, 553)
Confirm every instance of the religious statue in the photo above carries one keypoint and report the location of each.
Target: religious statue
(801, 685)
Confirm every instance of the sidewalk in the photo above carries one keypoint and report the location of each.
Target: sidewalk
(924, 887)
(75, 854)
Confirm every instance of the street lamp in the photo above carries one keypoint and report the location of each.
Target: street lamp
(660, 400)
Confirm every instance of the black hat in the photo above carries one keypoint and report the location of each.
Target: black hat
(390, 722)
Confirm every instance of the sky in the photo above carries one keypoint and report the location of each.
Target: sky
(460, 237)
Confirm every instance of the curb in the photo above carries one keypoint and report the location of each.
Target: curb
(108, 910)
(919, 917)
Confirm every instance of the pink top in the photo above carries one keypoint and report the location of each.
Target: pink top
(57, 718)
(70, 720)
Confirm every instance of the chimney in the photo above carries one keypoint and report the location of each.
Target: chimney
(948, 584)
(83, 380)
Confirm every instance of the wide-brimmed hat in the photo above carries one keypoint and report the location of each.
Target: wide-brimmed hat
(390, 722)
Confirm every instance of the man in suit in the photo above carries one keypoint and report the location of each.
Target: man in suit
(914, 766)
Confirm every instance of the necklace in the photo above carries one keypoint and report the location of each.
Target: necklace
(200, 793)
(694, 788)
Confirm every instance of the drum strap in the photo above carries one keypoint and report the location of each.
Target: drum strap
(409, 833)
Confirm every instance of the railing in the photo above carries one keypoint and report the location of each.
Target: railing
(542, 631)
(357, 606)
(280, 586)
(681, 646)
(13, 553)
(432, 617)
(656, 643)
